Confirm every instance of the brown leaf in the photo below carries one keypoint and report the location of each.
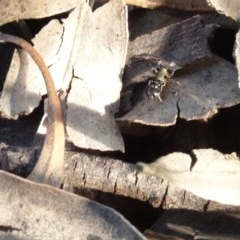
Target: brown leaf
(175, 45)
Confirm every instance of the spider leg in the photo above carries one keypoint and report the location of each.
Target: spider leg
(159, 98)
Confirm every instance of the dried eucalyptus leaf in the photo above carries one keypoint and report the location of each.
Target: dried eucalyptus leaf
(35, 211)
(195, 92)
(26, 9)
(229, 8)
(212, 175)
(178, 44)
(96, 82)
(24, 83)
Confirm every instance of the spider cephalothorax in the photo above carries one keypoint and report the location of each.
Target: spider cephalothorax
(156, 83)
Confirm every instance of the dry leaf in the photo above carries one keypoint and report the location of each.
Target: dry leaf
(35, 211)
(96, 84)
(196, 92)
(210, 175)
(26, 9)
(176, 45)
(24, 85)
(229, 8)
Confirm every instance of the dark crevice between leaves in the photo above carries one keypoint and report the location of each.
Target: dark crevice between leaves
(164, 198)
(8, 229)
(222, 43)
(21, 132)
(136, 178)
(97, 4)
(112, 154)
(141, 214)
(178, 109)
(35, 25)
(221, 133)
(205, 207)
(183, 198)
(194, 160)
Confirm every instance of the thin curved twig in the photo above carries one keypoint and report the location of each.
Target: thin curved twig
(50, 166)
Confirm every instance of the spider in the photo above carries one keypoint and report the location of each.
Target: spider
(156, 83)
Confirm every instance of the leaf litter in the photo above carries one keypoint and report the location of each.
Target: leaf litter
(89, 212)
(86, 57)
(181, 95)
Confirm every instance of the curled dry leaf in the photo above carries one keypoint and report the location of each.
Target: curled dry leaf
(26, 9)
(210, 175)
(49, 168)
(35, 211)
(195, 92)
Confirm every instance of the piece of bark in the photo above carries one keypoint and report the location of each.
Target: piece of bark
(107, 175)
(113, 176)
